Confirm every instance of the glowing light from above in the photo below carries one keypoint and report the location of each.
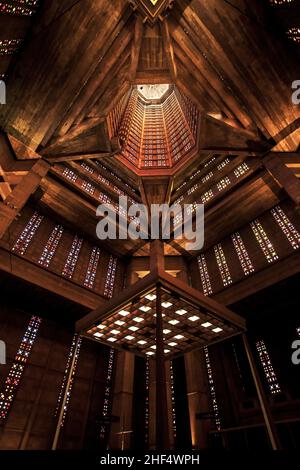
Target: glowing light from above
(138, 319)
(179, 337)
(129, 337)
(150, 353)
(101, 327)
(133, 328)
(181, 311)
(115, 332)
(166, 304)
(98, 335)
(166, 332)
(119, 322)
(167, 351)
(144, 308)
(153, 92)
(153, 347)
(173, 322)
(194, 318)
(217, 330)
(154, 2)
(206, 325)
(173, 344)
(112, 340)
(124, 313)
(142, 342)
(150, 297)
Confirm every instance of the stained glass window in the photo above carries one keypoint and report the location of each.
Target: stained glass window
(70, 175)
(294, 34)
(18, 366)
(108, 391)
(181, 186)
(223, 164)
(173, 400)
(242, 253)
(92, 267)
(9, 46)
(223, 183)
(241, 170)
(88, 187)
(207, 177)
(147, 403)
(286, 226)
(104, 198)
(212, 390)
(207, 196)
(210, 162)
(28, 233)
(267, 366)
(87, 167)
(114, 175)
(51, 246)
(281, 2)
(72, 258)
(222, 265)
(110, 276)
(19, 7)
(74, 352)
(205, 279)
(193, 189)
(264, 242)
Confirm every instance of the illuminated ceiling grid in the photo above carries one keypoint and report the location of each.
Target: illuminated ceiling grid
(186, 326)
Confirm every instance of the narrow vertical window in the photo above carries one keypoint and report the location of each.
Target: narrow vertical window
(223, 183)
(108, 392)
(51, 246)
(173, 400)
(241, 170)
(264, 241)
(110, 276)
(18, 366)
(72, 258)
(242, 253)
(212, 390)
(268, 368)
(88, 187)
(28, 233)
(66, 387)
(70, 175)
(222, 265)
(205, 279)
(19, 7)
(87, 167)
(207, 196)
(9, 46)
(147, 402)
(223, 164)
(92, 268)
(287, 227)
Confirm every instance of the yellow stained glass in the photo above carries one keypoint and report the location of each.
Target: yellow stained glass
(154, 2)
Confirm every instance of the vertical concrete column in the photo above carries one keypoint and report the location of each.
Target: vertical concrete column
(198, 397)
(122, 405)
(152, 405)
(265, 407)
